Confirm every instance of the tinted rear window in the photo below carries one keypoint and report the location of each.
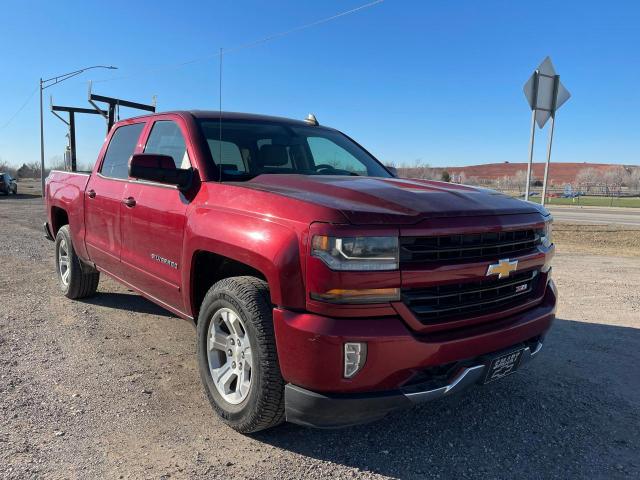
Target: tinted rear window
(121, 147)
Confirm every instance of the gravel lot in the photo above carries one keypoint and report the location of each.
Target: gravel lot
(109, 388)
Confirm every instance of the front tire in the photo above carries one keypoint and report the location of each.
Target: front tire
(76, 280)
(237, 355)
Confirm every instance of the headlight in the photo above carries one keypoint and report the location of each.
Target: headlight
(356, 253)
(546, 234)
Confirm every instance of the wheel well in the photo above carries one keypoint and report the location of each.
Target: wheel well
(59, 218)
(209, 268)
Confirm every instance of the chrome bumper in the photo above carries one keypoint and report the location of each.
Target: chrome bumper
(465, 378)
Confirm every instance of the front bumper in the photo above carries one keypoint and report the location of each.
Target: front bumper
(399, 360)
(47, 232)
(312, 409)
(310, 346)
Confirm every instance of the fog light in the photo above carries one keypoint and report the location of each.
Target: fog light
(355, 354)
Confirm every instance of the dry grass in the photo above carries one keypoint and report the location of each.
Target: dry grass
(29, 186)
(597, 239)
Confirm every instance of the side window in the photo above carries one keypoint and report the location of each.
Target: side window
(121, 147)
(232, 159)
(325, 152)
(166, 139)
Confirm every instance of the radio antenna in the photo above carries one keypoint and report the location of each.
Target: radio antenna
(220, 121)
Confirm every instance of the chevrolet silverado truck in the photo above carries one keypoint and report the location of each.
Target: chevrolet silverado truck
(325, 291)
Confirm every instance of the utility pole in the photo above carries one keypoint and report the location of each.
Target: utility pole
(41, 142)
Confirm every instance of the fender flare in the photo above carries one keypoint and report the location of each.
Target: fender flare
(262, 244)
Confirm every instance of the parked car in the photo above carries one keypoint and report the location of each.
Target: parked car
(324, 290)
(8, 185)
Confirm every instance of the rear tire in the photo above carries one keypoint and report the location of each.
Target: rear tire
(246, 301)
(76, 280)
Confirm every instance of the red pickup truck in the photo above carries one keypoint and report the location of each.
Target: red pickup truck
(324, 290)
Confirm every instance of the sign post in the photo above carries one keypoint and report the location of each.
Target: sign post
(545, 94)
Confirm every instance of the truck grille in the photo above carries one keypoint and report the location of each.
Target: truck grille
(476, 246)
(448, 302)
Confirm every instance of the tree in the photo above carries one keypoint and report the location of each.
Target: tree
(6, 168)
(588, 179)
(520, 180)
(472, 181)
(634, 180)
(445, 176)
(417, 170)
(616, 178)
(29, 170)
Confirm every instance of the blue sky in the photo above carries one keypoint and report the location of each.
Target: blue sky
(438, 82)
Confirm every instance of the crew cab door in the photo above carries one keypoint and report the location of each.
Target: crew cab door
(104, 195)
(154, 221)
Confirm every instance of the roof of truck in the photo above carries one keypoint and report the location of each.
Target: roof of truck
(215, 114)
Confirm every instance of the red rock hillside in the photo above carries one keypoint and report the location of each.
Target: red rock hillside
(559, 173)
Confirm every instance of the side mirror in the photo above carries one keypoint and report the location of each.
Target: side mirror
(393, 171)
(159, 168)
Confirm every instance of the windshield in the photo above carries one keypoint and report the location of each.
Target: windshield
(251, 148)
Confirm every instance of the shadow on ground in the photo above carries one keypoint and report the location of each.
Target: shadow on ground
(127, 301)
(19, 196)
(572, 412)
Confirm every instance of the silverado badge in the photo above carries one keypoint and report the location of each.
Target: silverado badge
(503, 268)
(160, 259)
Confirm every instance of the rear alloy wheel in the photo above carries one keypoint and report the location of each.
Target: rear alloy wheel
(76, 280)
(63, 262)
(237, 355)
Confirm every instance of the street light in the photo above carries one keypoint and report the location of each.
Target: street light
(50, 82)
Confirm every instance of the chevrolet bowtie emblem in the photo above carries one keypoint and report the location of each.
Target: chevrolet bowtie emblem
(503, 268)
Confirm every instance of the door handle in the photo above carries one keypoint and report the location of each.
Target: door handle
(129, 202)
(91, 193)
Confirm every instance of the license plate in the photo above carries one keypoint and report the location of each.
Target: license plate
(503, 365)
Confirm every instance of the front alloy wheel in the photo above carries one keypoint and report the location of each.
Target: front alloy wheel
(237, 355)
(229, 356)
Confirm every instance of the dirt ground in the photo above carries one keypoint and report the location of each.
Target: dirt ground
(598, 239)
(108, 388)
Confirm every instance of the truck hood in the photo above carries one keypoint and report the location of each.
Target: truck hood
(371, 200)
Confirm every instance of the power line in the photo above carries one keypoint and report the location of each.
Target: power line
(246, 45)
(8, 122)
(302, 27)
(210, 57)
